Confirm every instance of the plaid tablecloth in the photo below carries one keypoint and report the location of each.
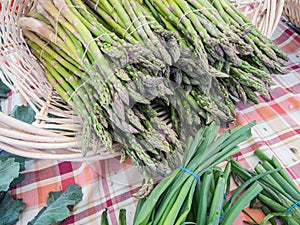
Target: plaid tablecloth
(108, 184)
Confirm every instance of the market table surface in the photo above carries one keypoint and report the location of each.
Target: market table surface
(108, 184)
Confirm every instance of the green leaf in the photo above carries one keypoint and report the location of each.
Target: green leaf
(23, 113)
(21, 160)
(9, 170)
(10, 209)
(57, 206)
(5, 155)
(3, 90)
(17, 181)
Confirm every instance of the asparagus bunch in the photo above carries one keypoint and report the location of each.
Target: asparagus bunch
(232, 44)
(109, 82)
(223, 57)
(190, 70)
(130, 21)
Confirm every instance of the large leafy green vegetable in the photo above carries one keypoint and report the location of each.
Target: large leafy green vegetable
(9, 177)
(57, 206)
(10, 209)
(9, 170)
(18, 159)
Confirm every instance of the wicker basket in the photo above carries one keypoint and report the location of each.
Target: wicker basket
(44, 139)
(292, 11)
(265, 14)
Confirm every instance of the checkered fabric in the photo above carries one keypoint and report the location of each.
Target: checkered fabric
(108, 184)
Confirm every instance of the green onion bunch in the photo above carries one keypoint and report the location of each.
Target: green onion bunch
(280, 194)
(195, 193)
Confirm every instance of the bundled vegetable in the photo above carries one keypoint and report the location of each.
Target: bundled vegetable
(109, 82)
(233, 45)
(132, 68)
(195, 193)
(214, 30)
(280, 194)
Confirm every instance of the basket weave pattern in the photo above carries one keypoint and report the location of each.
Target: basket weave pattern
(51, 137)
(292, 11)
(265, 14)
(23, 74)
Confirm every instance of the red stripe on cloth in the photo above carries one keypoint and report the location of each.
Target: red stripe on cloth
(278, 109)
(45, 174)
(286, 34)
(291, 47)
(295, 89)
(267, 112)
(30, 178)
(282, 137)
(123, 196)
(89, 212)
(252, 147)
(278, 92)
(295, 66)
(69, 220)
(65, 167)
(294, 171)
(236, 155)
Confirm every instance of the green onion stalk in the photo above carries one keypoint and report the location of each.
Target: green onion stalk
(280, 194)
(121, 219)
